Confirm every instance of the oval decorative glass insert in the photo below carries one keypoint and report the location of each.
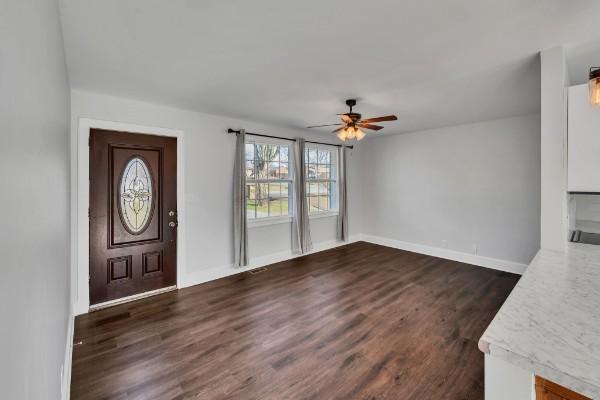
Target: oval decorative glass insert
(135, 195)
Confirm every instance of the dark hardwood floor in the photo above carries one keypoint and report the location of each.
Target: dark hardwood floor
(358, 322)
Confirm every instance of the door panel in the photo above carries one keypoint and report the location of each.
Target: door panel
(133, 201)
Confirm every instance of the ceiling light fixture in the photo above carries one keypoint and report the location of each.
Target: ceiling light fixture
(350, 132)
(351, 123)
(594, 85)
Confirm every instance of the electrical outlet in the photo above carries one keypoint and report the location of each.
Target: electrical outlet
(444, 243)
(474, 248)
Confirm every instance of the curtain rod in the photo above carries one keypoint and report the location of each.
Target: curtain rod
(290, 139)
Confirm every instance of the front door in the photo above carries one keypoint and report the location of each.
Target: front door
(133, 214)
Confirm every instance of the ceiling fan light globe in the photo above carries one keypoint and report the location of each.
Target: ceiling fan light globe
(342, 136)
(350, 133)
(360, 134)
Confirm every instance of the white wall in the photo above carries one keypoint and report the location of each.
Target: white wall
(475, 184)
(554, 205)
(208, 178)
(34, 173)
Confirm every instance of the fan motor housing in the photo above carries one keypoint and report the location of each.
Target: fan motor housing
(354, 116)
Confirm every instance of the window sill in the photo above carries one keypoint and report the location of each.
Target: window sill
(257, 223)
(324, 214)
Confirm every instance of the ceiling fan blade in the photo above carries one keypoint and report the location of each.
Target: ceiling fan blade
(369, 126)
(319, 126)
(338, 129)
(380, 119)
(346, 118)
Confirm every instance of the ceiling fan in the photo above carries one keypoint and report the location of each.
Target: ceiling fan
(351, 122)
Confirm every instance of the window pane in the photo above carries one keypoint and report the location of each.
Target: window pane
(250, 169)
(313, 204)
(262, 204)
(267, 152)
(311, 171)
(332, 195)
(324, 157)
(259, 150)
(286, 189)
(260, 169)
(274, 190)
(275, 207)
(283, 153)
(284, 170)
(323, 188)
(276, 200)
(136, 195)
(312, 156)
(323, 171)
(273, 170)
(249, 151)
(285, 206)
(312, 188)
(323, 203)
(285, 195)
(273, 152)
(250, 209)
(333, 171)
(251, 191)
(323, 196)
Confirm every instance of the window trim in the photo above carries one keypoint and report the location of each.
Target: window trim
(253, 223)
(277, 219)
(334, 162)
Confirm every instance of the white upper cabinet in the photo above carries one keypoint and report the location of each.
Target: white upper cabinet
(583, 142)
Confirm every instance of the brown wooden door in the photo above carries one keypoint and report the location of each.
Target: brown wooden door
(133, 214)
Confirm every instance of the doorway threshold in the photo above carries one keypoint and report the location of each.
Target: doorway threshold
(128, 299)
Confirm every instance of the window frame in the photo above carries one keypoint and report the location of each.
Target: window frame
(334, 163)
(277, 219)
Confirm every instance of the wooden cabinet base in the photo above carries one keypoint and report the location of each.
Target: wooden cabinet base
(546, 390)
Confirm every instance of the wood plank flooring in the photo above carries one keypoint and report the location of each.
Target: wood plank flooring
(357, 322)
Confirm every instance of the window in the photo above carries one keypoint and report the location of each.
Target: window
(268, 180)
(135, 192)
(321, 183)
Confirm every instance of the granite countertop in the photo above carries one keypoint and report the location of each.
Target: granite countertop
(550, 323)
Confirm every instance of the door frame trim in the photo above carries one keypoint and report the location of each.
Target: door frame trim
(80, 196)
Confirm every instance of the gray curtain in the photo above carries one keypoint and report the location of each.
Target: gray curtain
(342, 225)
(301, 242)
(240, 229)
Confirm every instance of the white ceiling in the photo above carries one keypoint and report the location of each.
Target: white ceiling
(292, 63)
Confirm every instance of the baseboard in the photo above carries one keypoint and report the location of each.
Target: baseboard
(474, 259)
(210, 274)
(65, 388)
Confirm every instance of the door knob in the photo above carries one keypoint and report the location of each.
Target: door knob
(172, 224)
